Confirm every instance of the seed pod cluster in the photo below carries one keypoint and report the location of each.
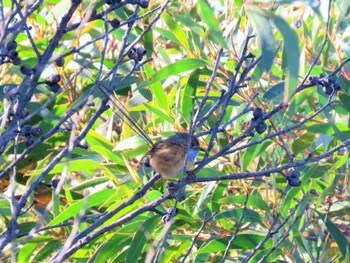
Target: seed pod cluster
(29, 140)
(328, 83)
(115, 23)
(60, 62)
(52, 82)
(293, 178)
(261, 126)
(12, 53)
(257, 113)
(12, 45)
(29, 132)
(143, 3)
(111, 2)
(137, 53)
(54, 183)
(26, 70)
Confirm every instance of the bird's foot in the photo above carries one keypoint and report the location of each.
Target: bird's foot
(172, 212)
(175, 191)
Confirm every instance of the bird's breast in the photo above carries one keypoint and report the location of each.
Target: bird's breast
(169, 160)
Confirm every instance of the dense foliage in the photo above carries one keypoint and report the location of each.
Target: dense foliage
(264, 87)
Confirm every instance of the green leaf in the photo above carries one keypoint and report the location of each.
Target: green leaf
(291, 49)
(83, 164)
(178, 67)
(327, 128)
(160, 113)
(258, 71)
(207, 14)
(329, 191)
(110, 248)
(244, 240)
(26, 226)
(88, 183)
(342, 135)
(209, 172)
(119, 88)
(339, 163)
(95, 199)
(167, 34)
(157, 89)
(5, 208)
(274, 257)
(26, 252)
(275, 93)
(250, 155)
(249, 215)
(107, 154)
(338, 236)
(130, 143)
(47, 250)
(57, 11)
(253, 201)
(177, 30)
(140, 239)
(175, 251)
(187, 95)
(262, 25)
(303, 142)
(207, 190)
(189, 22)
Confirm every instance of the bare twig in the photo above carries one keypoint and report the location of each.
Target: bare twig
(85, 240)
(205, 221)
(110, 214)
(238, 225)
(205, 97)
(68, 223)
(321, 49)
(267, 172)
(274, 230)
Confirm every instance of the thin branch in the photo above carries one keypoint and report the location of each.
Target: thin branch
(65, 224)
(126, 203)
(130, 19)
(87, 239)
(24, 24)
(286, 234)
(12, 228)
(194, 240)
(227, 149)
(242, 59)
(322, 47)
(162, 246)
(206, 95)
(238, 225)
(164, 235)
(274, 230)
(267, 172)
(73, 232)
(285, 130)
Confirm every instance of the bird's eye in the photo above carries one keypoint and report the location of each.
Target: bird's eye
(193, 144)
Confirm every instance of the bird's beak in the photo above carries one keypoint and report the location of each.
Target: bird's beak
(198, 148)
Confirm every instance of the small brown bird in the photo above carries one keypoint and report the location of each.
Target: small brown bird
(168, 156)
